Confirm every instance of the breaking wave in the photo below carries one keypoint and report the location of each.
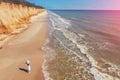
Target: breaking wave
(77, 46)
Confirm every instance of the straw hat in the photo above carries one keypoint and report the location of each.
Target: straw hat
(27, 62)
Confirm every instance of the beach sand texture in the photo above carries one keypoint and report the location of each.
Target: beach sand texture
(26, 45)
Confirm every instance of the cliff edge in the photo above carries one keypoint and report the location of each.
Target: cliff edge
(13, 13)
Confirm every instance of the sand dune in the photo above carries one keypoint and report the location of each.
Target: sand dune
(26, 45)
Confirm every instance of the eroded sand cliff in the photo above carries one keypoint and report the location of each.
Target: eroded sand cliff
(14, 15)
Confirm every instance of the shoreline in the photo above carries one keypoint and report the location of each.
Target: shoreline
(23, 46)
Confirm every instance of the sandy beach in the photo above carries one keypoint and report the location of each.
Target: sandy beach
(26, 45)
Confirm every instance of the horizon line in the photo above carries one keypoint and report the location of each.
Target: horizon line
(87, 9)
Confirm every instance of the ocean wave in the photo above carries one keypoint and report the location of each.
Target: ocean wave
(60, 26)
(95, 69)
(49, 57)
(98, 75)
(60, 21)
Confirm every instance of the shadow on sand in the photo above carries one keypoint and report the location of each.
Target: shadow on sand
(22, 69)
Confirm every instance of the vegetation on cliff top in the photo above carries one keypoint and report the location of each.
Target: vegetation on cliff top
(14, 13)
(22, 2)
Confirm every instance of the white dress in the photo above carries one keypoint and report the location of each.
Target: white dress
(28, 68)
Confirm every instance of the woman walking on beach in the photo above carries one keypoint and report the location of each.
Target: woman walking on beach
(28, 66)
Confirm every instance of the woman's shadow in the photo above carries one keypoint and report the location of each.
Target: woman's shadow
(23, 69)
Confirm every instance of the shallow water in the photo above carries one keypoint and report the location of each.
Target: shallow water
(83, 45)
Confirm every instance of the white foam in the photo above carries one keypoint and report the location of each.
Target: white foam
(73, 37)
(54, 17)
(47, 58)
(101, 76)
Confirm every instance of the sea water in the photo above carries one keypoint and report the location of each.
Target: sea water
(82, 45)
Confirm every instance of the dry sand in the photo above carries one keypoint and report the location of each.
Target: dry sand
(26, 45)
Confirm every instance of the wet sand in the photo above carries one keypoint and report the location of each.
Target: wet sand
(26, 45)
